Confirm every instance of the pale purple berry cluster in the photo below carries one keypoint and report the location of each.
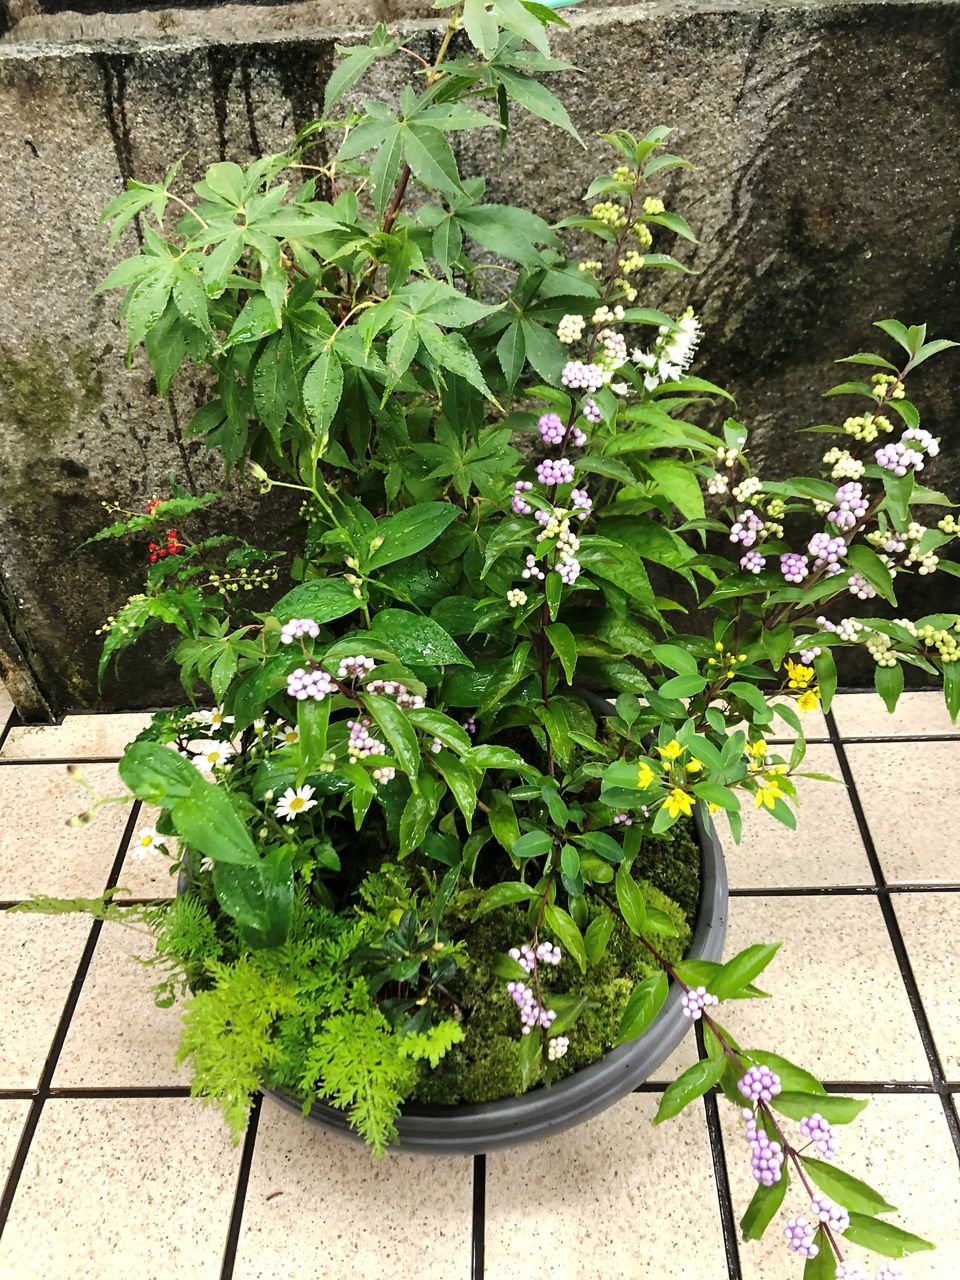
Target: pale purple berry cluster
(760, 1084)
(832, 1215)
(553, 471)
(849, 1271)
(532, 571)
(746, 529)
(296, 628)
(591, 411)
(569, 570)
(890, 1271)
(753, 562)
(815, 1129)
(355, 668)
(360, 744)
(580, 376)
(799, 1234)
(766, 1157)
(519, 504)
(528, 958)
(851, 506)
(695, 1001)
(405, 700)
(899, 458)
(922, 440)
(551, 428)
(860, 587)
(532, 1012)
(581, 502)
(470, 726)
(302, 684)
(826, 550)
(794, 566)
(622, 820)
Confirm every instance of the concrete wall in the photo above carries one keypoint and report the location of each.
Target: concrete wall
(826, 194)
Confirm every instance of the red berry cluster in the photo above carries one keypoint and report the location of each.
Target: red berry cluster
(151, 506)
(173, 547)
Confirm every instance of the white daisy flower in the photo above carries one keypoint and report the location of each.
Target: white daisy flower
(287, 735)
(214, 719)
(213, 753)
(292, 803)
(206, 864)
(145, 842)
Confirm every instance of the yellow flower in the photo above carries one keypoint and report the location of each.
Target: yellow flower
(758, 749)
(678, 802)
(694, 765)
(714, 808)
(800, 676)
(671, 750)
(645, 775)
(809, 700)
(767, 794)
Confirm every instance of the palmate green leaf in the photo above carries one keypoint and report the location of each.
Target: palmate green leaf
(431, 158)
(355, 62)
(322, 390)
(511, 352)
(693, 1084)
(536, 98)
(481, 26)
(763, 1208)
(451, 352)
(513, 233)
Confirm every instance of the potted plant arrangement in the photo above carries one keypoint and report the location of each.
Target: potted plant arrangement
(447, 872)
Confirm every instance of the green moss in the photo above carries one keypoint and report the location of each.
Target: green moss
(39, 397)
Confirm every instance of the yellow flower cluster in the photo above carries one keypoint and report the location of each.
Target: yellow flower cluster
(867, 427)
(800, 676)
(610, 213)
(726, 659)
(887, 387)
(643, 234)
(652, 206)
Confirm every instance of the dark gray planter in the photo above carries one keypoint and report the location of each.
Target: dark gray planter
(475, 1127)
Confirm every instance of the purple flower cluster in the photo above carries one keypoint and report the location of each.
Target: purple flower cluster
(826, 550)
(296, 628)
(833, 1215)
(851, 506)
(518, 503)
(532, 1012)
(746, 529)
(766, 1157)
(695, 1001)
(815, 1129)
(528, 958)
(794, 566)
(555, 471)
(302, 684)
(551, 428)
(752, 561)
(799, 1234)
(582, 377)
(759, 1084)
(899, 458)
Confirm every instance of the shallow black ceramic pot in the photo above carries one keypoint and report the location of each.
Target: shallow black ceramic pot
(470, 1128)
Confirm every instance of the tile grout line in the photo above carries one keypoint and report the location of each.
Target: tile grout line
(32, 761)
(240, 1194)
(478, 1224)
(60, 1035)
(896, 940)
(839, 890)
(718, 1156)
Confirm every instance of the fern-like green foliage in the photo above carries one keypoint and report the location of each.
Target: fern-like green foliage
(357, 1063)
(433, 1044)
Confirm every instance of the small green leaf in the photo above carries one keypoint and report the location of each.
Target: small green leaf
(645, 1002)
(844, 1188)
(889, 684)
(564, 645)
(630, 900)
(505, 895)
(763, 1208)
(739, 971)
(834, 1108)
(398, 731)
(565, 928)
(532, 844)
(598, 936)
(693, 1084)
(883, 1237)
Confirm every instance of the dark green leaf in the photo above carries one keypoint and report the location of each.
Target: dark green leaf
(645, 1002)
(694, 1083)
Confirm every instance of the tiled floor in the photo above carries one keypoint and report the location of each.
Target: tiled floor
(109, 1170)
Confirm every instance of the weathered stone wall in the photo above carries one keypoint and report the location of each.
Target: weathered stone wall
(826, 195)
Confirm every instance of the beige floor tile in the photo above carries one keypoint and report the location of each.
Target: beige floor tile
(39, 852)
(38, 960)
(930, 923)
(147, 877)
(117, 1034)
(838, 1005)
(824, 849)
(122, 1189)
(12, 1117)
(685, 1055)
(6, 705)
(78, 736)
(610, 1198)
(901, 1147)
(864, 715)
(911, 800)
(320, 1207)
